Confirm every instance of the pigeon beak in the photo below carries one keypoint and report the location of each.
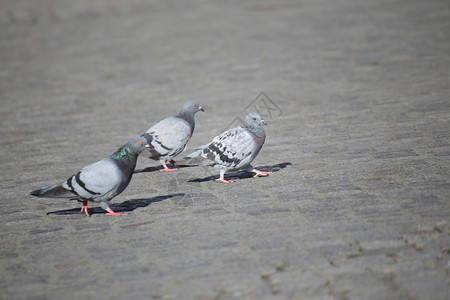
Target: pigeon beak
(263, 122)
(201, 108)
(147, 146)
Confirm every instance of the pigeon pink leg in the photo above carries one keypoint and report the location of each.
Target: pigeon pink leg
(84, 207)
(221, 179)
(111, 213)
(260, 173)
(166, 169)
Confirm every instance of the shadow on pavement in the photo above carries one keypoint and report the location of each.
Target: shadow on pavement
(150, 169)
(128, 205)
(154, 169)
(244, 174)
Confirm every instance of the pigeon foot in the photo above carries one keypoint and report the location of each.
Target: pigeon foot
(221, 179)
(111, 213)
(260, 173)
(166, 168)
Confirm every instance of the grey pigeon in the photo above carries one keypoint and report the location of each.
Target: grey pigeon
(232, 150)
(169, 137)
(100, 181)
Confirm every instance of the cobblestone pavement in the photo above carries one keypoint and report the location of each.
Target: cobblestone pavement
(358, 106)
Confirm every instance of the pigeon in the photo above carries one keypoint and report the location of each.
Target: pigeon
(232, 150)
(169, 137)
(100, 181)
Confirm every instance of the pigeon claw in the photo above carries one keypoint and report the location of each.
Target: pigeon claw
(224, 181)
(168, 170)
(111, 213)
(260, 173)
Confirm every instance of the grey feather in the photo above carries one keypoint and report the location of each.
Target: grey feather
(100, 181)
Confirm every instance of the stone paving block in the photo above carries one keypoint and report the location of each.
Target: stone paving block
(357, 204)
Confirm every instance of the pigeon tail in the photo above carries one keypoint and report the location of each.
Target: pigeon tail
(195, 158)
(53, 191)
(197, 152)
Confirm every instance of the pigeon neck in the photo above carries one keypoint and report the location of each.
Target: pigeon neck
(258, 133)
(188, 117)
(125, 154)
(258, 130)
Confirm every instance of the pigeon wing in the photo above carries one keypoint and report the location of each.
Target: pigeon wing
(169, 137)
(97, 180)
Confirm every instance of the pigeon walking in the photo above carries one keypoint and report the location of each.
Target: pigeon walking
(232, 150)
(100, 181)
(169, 137)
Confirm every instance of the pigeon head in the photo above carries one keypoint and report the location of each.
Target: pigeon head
(254, 120)
(191, 107)
(138, 144)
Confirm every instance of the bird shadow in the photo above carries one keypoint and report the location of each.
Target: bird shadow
(125, 206)
(154, 169)
(149, 169)
(244, 174)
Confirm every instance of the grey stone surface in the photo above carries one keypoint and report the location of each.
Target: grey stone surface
(358, 141)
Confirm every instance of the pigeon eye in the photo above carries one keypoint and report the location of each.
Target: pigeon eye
(139, 142)
(195, 105)
(254, 119)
